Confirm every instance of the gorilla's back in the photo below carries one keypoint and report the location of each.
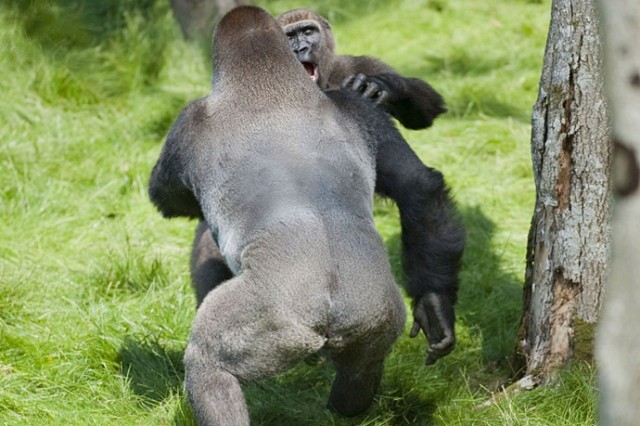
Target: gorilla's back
(262, 175)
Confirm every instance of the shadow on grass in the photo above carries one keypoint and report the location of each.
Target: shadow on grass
(489, 308)
(489, 299)
(300, 396)
(60, 25)
(68, 24)
(85, 43)
(153, 371)
(408, 409)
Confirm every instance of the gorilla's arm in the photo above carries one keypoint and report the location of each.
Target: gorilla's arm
(433, 237)
(170, 196)
(413, 102)
(432, 241)
(168, 187)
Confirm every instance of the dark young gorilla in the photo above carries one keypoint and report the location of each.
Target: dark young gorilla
(432, 235)
(412, 101)
(284, 176)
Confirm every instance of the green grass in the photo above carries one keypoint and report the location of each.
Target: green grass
(95, 303)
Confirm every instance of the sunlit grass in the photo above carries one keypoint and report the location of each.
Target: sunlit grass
(95, 304)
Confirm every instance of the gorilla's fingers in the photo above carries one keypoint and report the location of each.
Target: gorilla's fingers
(430, 314)
(444, 346)
(441, 348)
(347, 81)
(371, 90)
(382, 98)
(360, 82)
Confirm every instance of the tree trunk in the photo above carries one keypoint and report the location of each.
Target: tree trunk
(567, 253)
(618, 345)
(198, 17)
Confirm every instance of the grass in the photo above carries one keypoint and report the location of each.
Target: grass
(95, 303)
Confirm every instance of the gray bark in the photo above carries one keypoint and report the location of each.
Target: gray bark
(198, 17)
(569, 240)
(618, 345)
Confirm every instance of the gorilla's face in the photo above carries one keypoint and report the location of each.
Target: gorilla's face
(305, 38)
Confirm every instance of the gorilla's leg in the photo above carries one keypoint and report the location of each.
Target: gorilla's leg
(215, 395)
(241, 334)
(355, 384)
(359, 365)
(208, 266)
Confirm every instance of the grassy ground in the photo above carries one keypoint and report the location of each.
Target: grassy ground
(95, 304)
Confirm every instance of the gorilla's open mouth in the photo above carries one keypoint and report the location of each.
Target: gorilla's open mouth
(311, 69)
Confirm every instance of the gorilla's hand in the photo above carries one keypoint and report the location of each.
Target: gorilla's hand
(433, 314)
(369, 88)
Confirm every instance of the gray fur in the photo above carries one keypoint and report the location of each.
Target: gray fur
(284, 176)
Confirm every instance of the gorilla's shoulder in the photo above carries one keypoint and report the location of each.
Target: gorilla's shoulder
(192, 119)
(197, 109)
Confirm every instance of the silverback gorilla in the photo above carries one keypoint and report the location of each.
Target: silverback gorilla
(283, 174)
(432, 235)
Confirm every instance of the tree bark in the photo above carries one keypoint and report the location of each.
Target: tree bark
(198, 17)
(618, 345)
(567, 253)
